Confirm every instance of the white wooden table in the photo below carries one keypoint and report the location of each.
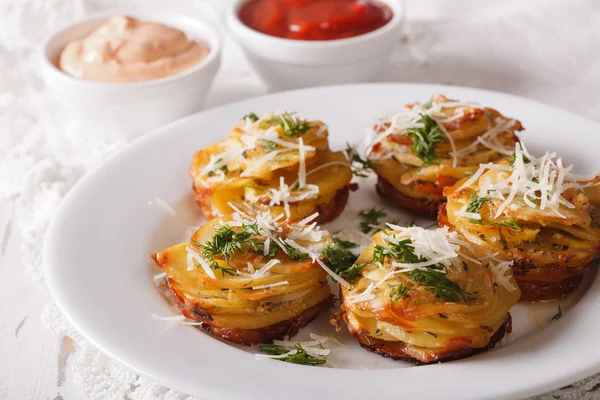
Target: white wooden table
(446, 42)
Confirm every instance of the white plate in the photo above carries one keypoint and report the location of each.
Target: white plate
(97, 251)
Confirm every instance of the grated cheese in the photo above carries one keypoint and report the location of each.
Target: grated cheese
(538, 183)
(407, 118)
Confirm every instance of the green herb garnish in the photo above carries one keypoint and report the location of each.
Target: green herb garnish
(402, 251)
(558, 315)
(370, 219)
(397, 292)
(251, 116)
(433, 277)
(511, 224)
(291, 126)
(300, 357)
(344, 244)
(426, 138)
(269, 145)
(360, 166)
(513, 157)
(350, 274)
(294, 254)
(476, 202)
(226, 242)
(438, 283)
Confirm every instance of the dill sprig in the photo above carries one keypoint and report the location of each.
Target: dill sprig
(476, 202)
(269, 145)
(397, 292)
(341, 261)
(252, 117)
(300, 357)
(402, 251)
(438, 283)
(433, 277)
(511, 224)
(513, 157)
(426, 138)
(558, 315)
(226, 242)
(292, 127)
(345, 244)
(370, 219)
(360, 166)
(351, 273)
(474, 206)
(294, 254)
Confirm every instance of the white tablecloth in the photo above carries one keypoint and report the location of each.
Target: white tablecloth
(543, 49)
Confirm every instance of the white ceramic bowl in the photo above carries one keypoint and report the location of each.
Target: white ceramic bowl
(285, 63)
(133, 108)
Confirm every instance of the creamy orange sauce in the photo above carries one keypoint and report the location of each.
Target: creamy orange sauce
(127, 50)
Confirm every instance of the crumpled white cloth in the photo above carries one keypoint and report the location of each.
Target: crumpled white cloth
(540, 48)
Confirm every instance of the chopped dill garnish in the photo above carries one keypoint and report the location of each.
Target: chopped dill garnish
(402, 251)
(252, 117)
(227, 241)
(360, 166)
(397, 292)
(292, 127)
(294, 254)
(351, 273)
(344, 244)
(300, 357)
(432, 277)
(513, 157)
(511, 224)
(337, 258)
(370, 219)
(426, 138)
(269, 145)
(476, 202)
(558, 315)
(438, 283)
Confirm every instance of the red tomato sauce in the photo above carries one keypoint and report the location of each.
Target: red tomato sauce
(315, 19)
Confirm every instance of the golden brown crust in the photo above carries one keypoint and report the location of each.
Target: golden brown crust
(546, 283)
(248, 337)
(423, 207)
(394, 350)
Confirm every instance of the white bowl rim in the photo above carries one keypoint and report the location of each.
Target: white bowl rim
(213, 54)
(398, 14)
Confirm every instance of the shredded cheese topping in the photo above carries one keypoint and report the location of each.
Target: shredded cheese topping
(252, 133)
(533, 182)
(305, 236)
(407, 118)
(437, 247)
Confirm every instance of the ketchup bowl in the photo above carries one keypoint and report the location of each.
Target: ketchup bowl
(294, 61)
